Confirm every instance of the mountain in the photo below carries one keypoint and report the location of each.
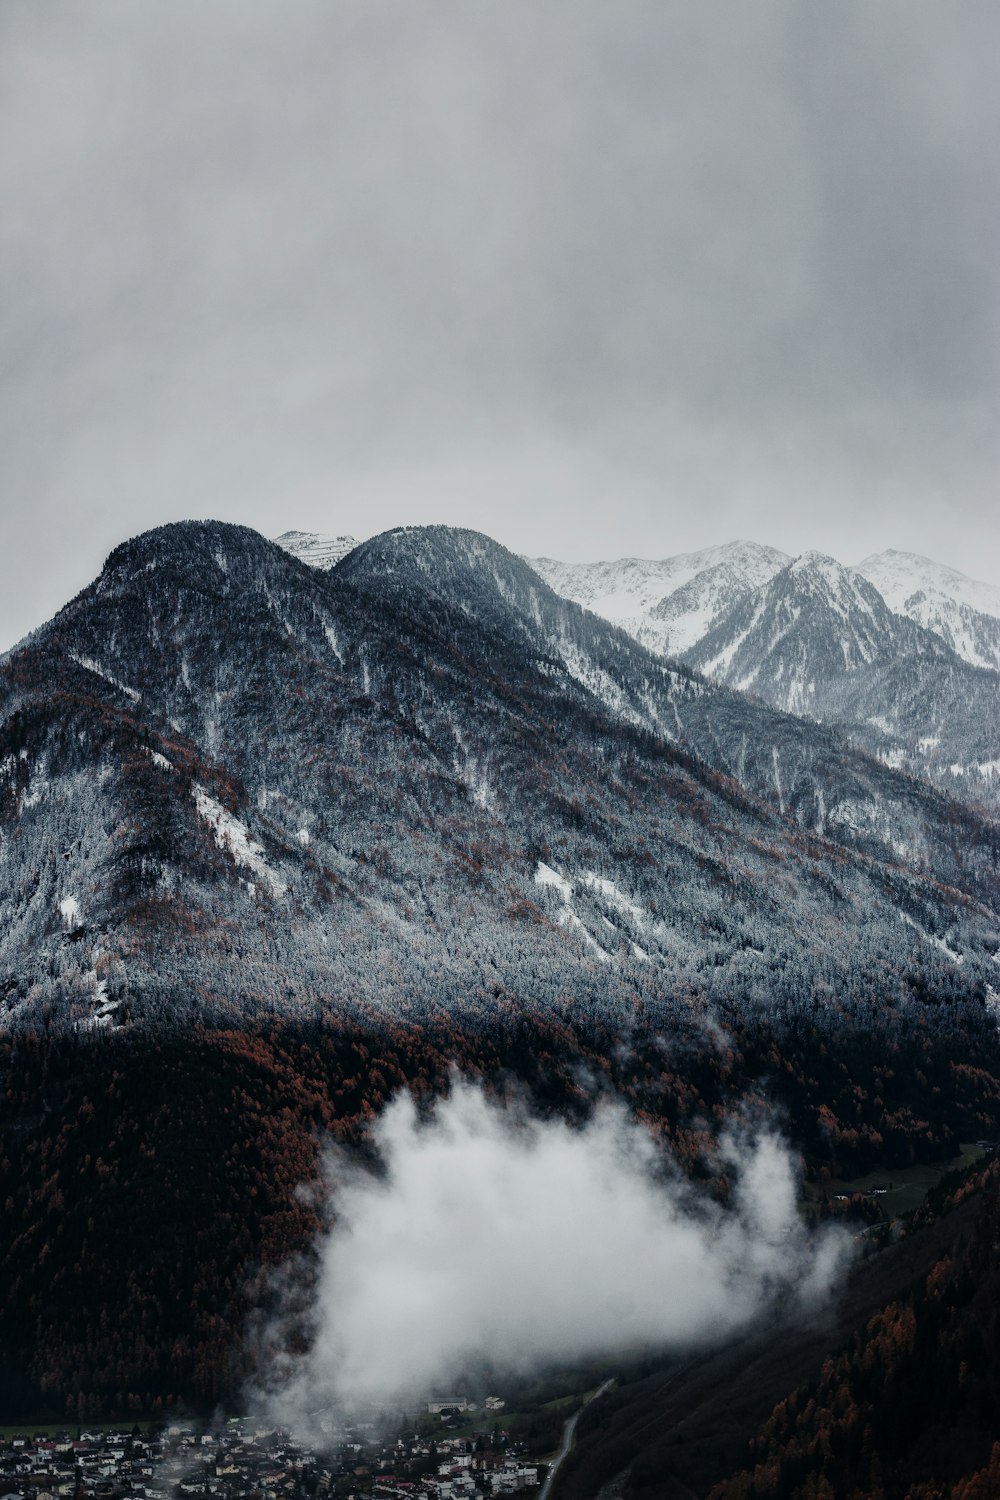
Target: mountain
(897, 575)
(634, 593)
(815, 638)
(892, 1392)
(423, 773)
(964, 613)
(323, 552)
(819, 639)
(671, 604)
(277, 842)
(813, 621)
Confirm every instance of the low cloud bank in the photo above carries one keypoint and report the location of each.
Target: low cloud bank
(496, 1239)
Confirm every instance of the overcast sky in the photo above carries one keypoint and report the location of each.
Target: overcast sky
(597, 278)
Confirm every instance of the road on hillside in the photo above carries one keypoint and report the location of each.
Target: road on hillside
(569, 1428)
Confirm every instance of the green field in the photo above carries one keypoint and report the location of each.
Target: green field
(485, 1421)
(908, 1186)
(513, 1419)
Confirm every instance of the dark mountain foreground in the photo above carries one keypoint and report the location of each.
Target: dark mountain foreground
(149, 1179)
(894, 1392)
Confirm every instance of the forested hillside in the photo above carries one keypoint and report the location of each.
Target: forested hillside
(278, 842)
(909, 1407)
(150, 1178)
(232, 784)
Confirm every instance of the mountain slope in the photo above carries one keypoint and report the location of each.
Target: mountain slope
(231, 780)
(964, 613)
(819, 639)
(666, 605)
(893, 1388)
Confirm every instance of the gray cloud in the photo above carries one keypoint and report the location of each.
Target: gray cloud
(496, 1239)
(597, 279)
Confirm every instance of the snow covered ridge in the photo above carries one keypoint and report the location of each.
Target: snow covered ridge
(964, 613)
(631, 593)
(912, 679)
(315, 549)
(898, 575)
(672, 604)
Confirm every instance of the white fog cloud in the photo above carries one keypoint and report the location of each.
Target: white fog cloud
(495, 1238)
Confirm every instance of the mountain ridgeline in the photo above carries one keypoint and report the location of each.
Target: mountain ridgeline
(421, 779)
(900, 654)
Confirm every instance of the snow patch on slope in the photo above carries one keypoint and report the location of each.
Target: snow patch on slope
(235, 838)
(546, 876)
(99, 671)
(939, 943)
(630, 918)
(69, 910)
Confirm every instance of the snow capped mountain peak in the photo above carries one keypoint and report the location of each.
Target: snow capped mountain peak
(876, 647)
(814, 570)
(817, 576)
(962, 611)
(315, 548)
(624, 590)
(816, 562)
(670, 603)
(813, 620)
(898, 575)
